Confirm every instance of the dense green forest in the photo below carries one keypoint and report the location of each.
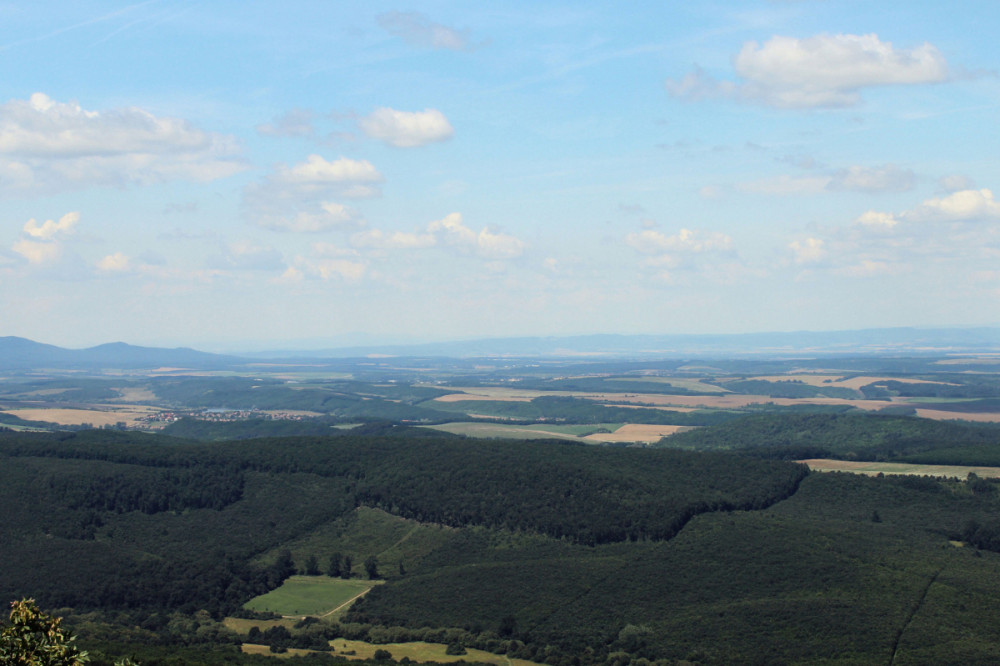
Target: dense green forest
(554, 552)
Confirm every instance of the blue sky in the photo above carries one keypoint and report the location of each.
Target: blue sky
(233, 176)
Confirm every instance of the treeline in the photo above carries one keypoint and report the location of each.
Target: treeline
(849, 436)
(787, 389)
(578, 410)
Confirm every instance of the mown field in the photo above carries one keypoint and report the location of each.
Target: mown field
(310, 595)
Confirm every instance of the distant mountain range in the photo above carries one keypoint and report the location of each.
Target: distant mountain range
(20, 354)
(23, 354)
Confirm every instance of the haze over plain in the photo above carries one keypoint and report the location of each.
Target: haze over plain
(314, 174)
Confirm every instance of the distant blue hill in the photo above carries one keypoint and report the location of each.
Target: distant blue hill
(20, 354)
(894, 341)
(23, 354)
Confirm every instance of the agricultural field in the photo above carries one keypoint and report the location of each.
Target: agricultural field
(912, 469)
(319, 596)
(98, 416)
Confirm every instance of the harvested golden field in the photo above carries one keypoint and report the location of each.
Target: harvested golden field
(840, 382)
(669, 408)
(100, 415)
(873, 468)
(636, 432)
(463, 397)
(941, 415)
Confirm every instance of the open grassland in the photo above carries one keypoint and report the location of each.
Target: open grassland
(500, 430)
(875, 468)
(637, 432)
(311, 595)
(99, 415)
(697, 385)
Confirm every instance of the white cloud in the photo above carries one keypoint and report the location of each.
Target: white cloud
(418, 30)
(888, 178)
(328, 262)
(317, 172)
(340, 268)
(685, 241)
(300, 198)
(406, 129)
(375, 238)
(42, 243)
(37, 253)
(876, 220)
(485, 243)
(820, 71)
(961, 205)
(48, 229)
(114, 263)
(808, 250)
(51, 146)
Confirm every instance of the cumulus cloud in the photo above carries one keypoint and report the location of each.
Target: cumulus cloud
(418, 30)
(450, 231)
(41, 243)
(824, 71)
(47, 145)
(876, 220)
(961, 205)
(114, 263)
(37, 253)
(807, 250)
(327, 262)
(48, 229)
(485, 243)
(301, 198)
(406, 129)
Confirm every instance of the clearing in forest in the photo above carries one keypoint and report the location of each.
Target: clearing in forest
(311, 595)
(637, 432)
(874, 468)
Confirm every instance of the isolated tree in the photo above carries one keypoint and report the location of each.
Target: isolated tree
(371, 567)
(282, 568)
(35, 639)
(345, 569)
(333, 568)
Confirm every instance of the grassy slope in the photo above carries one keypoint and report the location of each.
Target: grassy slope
(310, 595)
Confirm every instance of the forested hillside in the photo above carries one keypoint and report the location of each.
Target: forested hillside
(552, 552)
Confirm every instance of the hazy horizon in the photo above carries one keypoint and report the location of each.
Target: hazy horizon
(184, 174)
